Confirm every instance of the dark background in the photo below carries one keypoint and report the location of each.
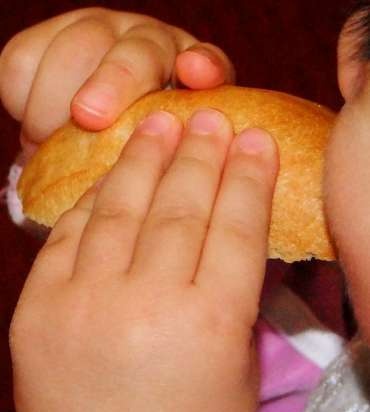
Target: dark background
(287, 45)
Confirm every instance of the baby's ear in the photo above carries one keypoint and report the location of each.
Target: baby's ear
(354, 51)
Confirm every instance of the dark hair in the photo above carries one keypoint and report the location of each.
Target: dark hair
(361, 26)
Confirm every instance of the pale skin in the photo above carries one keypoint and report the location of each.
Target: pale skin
(154, 293)
(347, 178)
(128, 318)
(111, 58)
(135, 303)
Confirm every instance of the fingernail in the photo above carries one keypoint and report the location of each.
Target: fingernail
(254, 141)
(157, 123)
(207, 121)
(204, 52)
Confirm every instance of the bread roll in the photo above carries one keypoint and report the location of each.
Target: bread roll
(72, 159)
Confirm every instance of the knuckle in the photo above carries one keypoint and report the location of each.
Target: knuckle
(95, 11)
(197, 165)
(17, 59)
(246, 233)
(91, 40)
(116, 212)
(53, 248)
(91, 28)
(178, 216)
(239, 229)
(145, 30)
(69, 218)
(54, 243)
(83, 12)
(61, 233)
(15, 48)
(98, 13)
(123, 67)
(136, 56)
(143, 156)
(180, 34)
(250, 180)
(156, 33)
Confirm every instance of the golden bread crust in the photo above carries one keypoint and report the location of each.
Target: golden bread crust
(68, 163)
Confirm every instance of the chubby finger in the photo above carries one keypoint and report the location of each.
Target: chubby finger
(140, 62)
(69, 60)
(203, 66)
(172, 236)
(21, 56)
(108, 241)
(55, 262)
(233, 262)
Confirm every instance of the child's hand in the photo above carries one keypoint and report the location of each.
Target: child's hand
(348, 170)
(93, 63)
(145, 294)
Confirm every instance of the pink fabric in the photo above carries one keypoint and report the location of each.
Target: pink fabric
(287, 377)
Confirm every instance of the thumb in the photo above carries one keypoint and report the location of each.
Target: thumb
(203, 66)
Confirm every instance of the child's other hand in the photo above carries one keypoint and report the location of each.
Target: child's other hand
(145, 294)
(347, 183)
(92, 63)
